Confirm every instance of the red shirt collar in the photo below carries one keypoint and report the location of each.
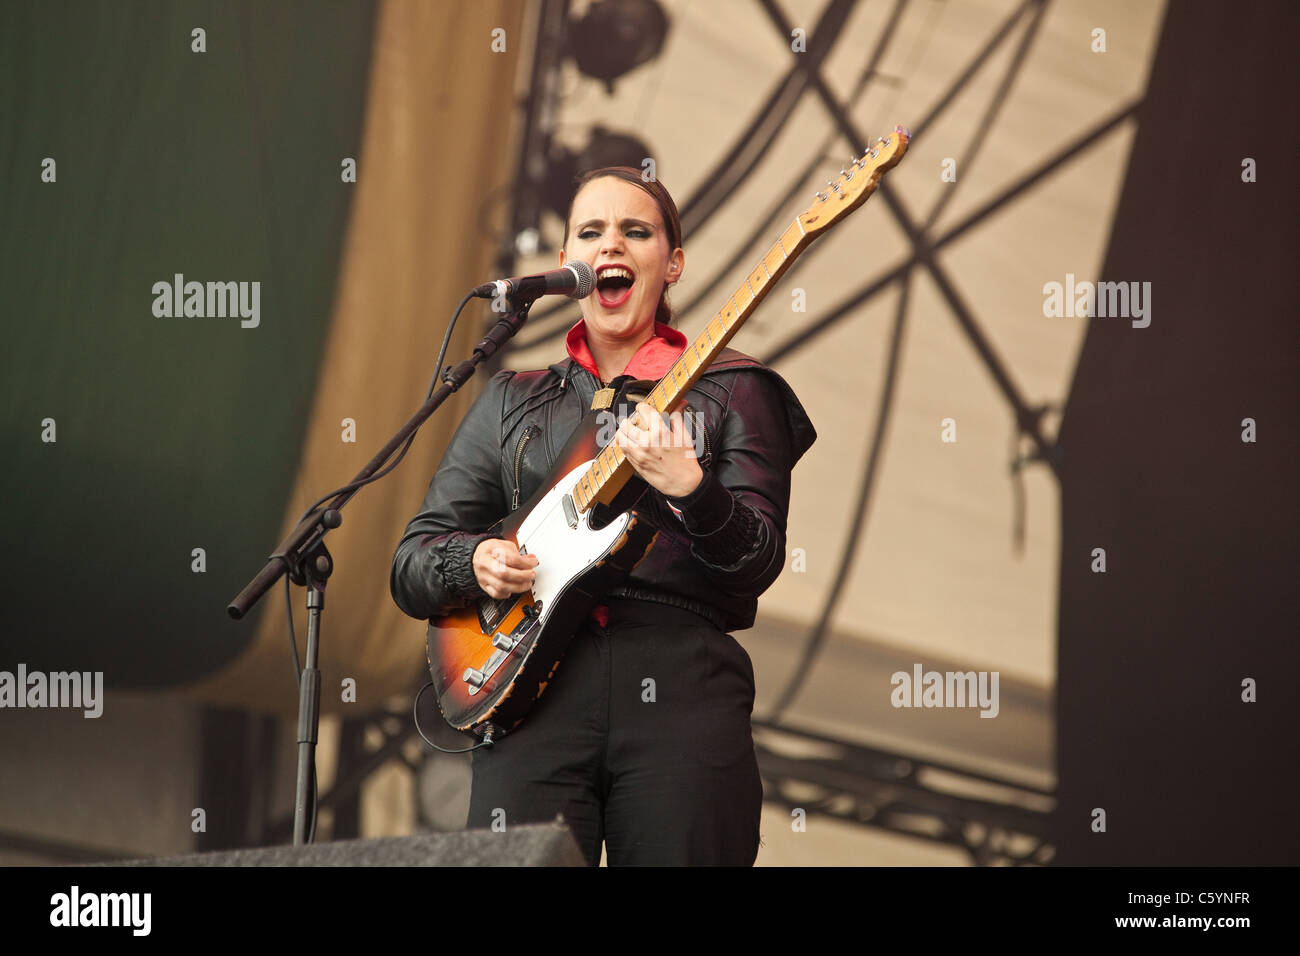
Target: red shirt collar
(655, 356)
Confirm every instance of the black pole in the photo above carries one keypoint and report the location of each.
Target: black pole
(308, 718)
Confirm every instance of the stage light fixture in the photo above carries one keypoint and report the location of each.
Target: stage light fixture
(614, 37)
(604, 148)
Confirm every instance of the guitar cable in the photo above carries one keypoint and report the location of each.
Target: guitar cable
(489, 731)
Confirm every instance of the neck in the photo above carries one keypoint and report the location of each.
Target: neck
(613, 354)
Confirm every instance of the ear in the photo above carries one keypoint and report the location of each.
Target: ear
(676, 263)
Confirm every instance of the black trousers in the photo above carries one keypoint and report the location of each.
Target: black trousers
(642, 741)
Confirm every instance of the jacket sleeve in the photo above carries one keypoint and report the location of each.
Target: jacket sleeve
(736, 516)
(432, 568)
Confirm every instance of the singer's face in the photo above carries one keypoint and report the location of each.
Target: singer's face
(615, 223)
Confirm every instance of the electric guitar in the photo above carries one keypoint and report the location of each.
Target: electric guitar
(491, 661)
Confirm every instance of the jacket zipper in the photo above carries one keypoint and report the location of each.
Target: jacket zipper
(699, 418)
(519, 457)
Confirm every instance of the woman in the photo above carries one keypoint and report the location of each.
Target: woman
(643, 739)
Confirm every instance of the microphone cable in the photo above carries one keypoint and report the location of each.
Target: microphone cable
(352, 486)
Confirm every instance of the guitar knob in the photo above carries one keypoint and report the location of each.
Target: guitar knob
(473, 677)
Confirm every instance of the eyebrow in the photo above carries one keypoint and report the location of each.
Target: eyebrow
(600, 222)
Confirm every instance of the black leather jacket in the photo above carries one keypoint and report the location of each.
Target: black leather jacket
(728, 545)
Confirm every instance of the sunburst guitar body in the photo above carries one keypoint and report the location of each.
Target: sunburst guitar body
(488, 661)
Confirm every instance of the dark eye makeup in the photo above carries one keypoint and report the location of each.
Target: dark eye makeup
(636, 232)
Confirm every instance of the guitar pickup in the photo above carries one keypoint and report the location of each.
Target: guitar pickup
(570, 512)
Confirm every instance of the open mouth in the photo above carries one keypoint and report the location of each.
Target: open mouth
(614, 285)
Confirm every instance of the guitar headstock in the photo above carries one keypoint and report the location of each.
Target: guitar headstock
(851, 189)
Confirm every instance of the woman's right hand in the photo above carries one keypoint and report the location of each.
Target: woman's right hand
(501, 570)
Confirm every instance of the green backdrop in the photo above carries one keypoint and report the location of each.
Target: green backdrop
(172, 433)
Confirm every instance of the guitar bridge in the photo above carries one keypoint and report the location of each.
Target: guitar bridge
(503, 645)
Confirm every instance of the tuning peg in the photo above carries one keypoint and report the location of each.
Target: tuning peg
(822, 196)
(847, 174)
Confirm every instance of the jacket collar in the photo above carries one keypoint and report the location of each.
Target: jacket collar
(655, 356)
(802, 432)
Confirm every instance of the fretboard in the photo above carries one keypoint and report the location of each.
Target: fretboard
(610, 469)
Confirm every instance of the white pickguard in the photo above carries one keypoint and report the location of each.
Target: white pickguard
(563, 552)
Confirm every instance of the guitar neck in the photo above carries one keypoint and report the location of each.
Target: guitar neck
(611, 470)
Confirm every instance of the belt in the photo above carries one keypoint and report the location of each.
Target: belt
(709, 613)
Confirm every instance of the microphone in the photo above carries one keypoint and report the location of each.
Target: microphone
(577, 280)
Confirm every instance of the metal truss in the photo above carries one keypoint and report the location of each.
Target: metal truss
(844, 781)
(356, 765)
(901, 794)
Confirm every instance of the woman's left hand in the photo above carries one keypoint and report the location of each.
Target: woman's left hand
(661, 453)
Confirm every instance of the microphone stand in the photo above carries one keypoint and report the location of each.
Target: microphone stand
(304, 557)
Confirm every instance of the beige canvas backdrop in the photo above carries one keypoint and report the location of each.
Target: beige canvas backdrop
(433, 149)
